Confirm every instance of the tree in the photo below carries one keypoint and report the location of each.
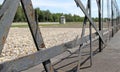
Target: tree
(19, 17)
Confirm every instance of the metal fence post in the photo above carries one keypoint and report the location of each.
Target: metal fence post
(90, 28)
(100, 24)
(35, 31)
(108, 15)
(112, 18)
(47, 64)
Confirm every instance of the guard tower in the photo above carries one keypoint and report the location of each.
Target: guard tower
(62, 20)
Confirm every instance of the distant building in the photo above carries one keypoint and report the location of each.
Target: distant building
(62, 20)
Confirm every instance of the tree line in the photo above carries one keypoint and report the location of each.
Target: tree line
(47, 16)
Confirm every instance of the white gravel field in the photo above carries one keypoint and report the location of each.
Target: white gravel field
(20, 43)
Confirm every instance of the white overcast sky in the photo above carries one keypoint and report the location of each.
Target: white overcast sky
(67, 6)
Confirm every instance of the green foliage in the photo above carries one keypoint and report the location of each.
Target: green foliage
(0, 6)
(46, 16)
(19, 17)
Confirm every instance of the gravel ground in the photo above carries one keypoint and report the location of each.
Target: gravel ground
(20, 43)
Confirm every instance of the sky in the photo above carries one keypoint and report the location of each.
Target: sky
(67, 6)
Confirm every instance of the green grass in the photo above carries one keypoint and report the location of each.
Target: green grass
(67, 25)
(20, 26)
